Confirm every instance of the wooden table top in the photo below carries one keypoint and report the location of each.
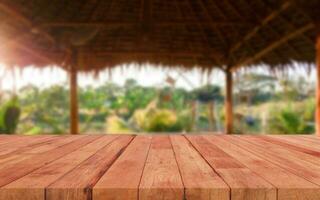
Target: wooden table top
(192, 167)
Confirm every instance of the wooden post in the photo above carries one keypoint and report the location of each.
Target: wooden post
(317, 117)
(228, 103)
(74, 117)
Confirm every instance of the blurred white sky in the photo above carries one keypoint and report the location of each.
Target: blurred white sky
(146, 75)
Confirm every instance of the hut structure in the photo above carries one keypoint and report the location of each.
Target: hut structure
(91, 35)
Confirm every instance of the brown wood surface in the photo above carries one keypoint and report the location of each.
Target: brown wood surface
(215, 167)
(40, 179)
(161, 178)
(28, 151)
(21, 142)
(244, 183)
(302, 157)
(281, 157)
(9, 138)
(296, 188)
(17, 170)
(199, 179)
(77, 184)
(294, 143)
(129, 167)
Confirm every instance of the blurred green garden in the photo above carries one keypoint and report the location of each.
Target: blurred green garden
(263, 104)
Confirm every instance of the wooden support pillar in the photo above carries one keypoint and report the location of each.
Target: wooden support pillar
(317, 117)
(228, 103)
(73, 76)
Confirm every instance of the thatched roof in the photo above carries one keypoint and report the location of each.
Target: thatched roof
(184, 33)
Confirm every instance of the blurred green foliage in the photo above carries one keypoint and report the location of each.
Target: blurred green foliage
(9, 116)
(262, 105)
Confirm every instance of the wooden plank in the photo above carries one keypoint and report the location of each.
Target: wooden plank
(32, 186)
(289, 186)
(161, 178)
(129, 167)
(199, 179)
(78, 183)
(37, 148)
(286, 152)
(48, 145)
(35, 145)
(17, 170)
(21, 142)
(109, 23)
(284, 159)
(304, 139)
(8, 138)
(311, 138)
(244, 184)
(294, 143)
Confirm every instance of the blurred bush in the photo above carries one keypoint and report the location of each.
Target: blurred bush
(9, 116)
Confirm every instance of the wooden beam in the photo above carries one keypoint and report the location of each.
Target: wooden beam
(217, 56)
(73, 75)
(273, 46)
(265, 21)
(317, 117)
(135, 23)
(228, 103)
(289, 22)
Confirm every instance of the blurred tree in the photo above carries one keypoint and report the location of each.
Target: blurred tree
(9, 116)
(288, 121)
(133, 107)
(48, 110)
(253, 88)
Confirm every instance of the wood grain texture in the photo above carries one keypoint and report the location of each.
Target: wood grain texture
(8, 138)
(311, 138)
(244, 184)
(26, 152)
(161, 178)
(77, 184)
(215, 167)
(32, 186)
(199, 179)
(129, 167)
(20, 142)
(289, 162)
(294, 143)
(296, 188)
(24, 167)
(287, 152)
